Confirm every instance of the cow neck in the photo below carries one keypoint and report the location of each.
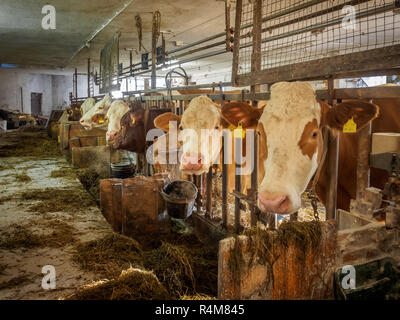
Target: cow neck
(321, 163)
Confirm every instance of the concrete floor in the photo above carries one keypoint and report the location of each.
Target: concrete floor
(26, 263)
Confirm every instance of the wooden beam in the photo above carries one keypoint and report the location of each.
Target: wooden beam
(369, 60)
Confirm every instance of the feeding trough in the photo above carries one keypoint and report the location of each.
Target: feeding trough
(179, 196)
(378, 279)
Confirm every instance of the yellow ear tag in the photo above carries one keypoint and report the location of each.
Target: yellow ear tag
(231, 127)
(58, 138)
(101, 121)
(239, 132)
(133, 120)
(350, 126)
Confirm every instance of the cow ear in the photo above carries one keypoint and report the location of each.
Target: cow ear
(240, 112)
(162, 121)
(355, 113)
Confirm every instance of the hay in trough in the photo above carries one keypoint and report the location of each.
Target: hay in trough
(90, 180)
(110, 255)
(132, 284)
(57, 199)
(183, 265)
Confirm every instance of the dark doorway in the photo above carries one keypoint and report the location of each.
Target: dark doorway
(36, 103)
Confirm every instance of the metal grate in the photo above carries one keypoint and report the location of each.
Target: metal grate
(298, 31)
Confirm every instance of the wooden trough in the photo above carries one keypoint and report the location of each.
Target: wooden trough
(73, 130)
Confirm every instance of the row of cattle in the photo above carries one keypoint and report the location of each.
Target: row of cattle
(289, 127)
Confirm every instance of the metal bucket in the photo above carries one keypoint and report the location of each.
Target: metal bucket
(179, 196)
(122, 170)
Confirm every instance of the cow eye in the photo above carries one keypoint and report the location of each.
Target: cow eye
(180, 128)
(216, 127)
(314, 134)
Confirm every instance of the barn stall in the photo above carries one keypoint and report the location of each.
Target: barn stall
(116, 225)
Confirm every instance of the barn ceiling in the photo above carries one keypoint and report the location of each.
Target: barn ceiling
(94, 22)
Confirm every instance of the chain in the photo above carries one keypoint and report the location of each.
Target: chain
(314, 205)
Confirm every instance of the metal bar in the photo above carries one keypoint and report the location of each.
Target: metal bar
(363, 172)
(209, 193)
(88, 77)
(224, 180)
(238, 157)
(221, 34)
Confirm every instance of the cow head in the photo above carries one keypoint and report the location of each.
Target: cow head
(198, 131)
(131, 136)
(74, 112)
(95, 117)
(291, 144)
(117, 109)
(87, 105)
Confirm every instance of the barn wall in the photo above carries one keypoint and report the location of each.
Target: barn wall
(55, 89)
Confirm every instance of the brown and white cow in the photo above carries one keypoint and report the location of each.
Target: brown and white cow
(291, 145)
(113, 118)
(95, 117)
(199, 134)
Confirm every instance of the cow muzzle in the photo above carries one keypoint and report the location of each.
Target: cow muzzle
(192, 163)
(274, 203)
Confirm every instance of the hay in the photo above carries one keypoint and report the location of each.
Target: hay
(5, 199)
(22, 177)
(21, 236)
(132, 284)
(90, 180)
(63, 173)
(172, 266)
(109, 256)
(264, 245)
(36, 146)
(14, 282)
(57, 199)
(183, 265)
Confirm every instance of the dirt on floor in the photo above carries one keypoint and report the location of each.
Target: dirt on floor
(49, 217)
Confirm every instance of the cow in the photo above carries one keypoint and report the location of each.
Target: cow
(200, 151)
(88, 104)
(95, 117)
(291, 146)
(128, 125)
(113, 118)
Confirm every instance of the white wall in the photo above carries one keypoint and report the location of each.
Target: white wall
(55, 89)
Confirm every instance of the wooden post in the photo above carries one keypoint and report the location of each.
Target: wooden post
(154, 57)
(236, 43)
(254, 183)
(333, 160)
(363, 172)
(228, 24)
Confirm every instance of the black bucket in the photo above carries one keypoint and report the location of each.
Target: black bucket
(122, 170)
(179, 196)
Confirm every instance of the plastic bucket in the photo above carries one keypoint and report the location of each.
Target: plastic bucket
(179, 196)
(122, 170)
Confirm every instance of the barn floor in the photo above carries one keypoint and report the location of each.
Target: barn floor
(31, 234)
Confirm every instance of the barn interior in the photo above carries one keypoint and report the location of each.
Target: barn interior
(104, 197)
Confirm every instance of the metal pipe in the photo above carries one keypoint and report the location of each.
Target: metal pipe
(197, 43)
(238, 157)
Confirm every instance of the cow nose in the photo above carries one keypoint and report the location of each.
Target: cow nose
(111, 135)
(274, 202)
(82, 122)
(192, 162)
